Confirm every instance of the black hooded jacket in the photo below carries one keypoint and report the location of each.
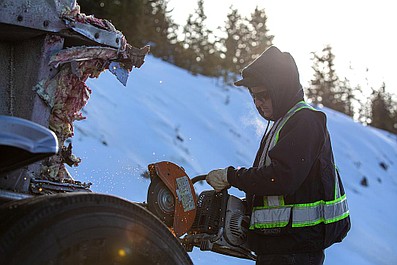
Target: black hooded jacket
(302, 163)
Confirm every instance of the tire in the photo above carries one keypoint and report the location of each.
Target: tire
(84, 228)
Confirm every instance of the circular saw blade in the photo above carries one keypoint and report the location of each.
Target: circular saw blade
(161, 201)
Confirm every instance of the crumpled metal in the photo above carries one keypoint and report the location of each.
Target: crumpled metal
(76, 65)
(64, 90)
(75, 15)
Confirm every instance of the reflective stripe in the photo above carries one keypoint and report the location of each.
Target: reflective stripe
(300, 105)
(274, 201)
(270, 217)
(337, 187)
(265, 159)
(308, 214)
(319, 212)
(274, 213)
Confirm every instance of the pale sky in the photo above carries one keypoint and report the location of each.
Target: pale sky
(361, 33)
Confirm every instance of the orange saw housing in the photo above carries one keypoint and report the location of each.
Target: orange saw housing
(180, 185)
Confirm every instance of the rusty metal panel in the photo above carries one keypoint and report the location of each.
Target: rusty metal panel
(36, 14)
(24, 65)
(5, 50)
(27, 19)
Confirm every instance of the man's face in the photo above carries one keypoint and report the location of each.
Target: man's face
(262, 101)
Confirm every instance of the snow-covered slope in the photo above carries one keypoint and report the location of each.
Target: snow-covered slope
(165, 113)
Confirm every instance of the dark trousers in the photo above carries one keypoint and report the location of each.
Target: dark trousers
(310, 258)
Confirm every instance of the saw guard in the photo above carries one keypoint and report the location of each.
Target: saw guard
(180, 185)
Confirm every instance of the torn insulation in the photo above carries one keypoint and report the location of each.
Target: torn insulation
(75, 65)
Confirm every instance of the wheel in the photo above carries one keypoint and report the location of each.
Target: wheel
(84, 228)
(161, 201)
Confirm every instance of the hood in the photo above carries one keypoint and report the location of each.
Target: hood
(278, 72)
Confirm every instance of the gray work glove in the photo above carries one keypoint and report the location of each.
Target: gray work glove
(218, 179)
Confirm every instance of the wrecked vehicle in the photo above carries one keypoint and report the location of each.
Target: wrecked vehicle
(48, 49)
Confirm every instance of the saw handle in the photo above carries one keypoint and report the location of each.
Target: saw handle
(201, 178)
(198, 178)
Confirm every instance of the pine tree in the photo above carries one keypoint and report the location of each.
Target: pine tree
(260, 39)
(364, 112)
(326, 88)
(246, 39)
(346, 100)
(230, 65)
(196, 40)
(382, 110)
(160, 30)
(394, 118)
(324, 79)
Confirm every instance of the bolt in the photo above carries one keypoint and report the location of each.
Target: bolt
(96, 36)
(46, 23)
(20, 18)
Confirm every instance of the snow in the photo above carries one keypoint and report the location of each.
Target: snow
(165, 113)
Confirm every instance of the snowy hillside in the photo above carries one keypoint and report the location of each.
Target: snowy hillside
(165, 113)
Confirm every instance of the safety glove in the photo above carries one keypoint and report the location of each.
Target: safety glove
(218, 179)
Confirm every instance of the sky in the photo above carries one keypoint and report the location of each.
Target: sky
(361, 32)
(166, 114)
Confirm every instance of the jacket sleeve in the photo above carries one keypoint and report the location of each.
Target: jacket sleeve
(300, 142)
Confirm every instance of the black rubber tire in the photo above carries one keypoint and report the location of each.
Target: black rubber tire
(84, 228)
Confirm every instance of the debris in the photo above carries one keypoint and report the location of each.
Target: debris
(364, 182)
(383, 165)
(75, 65)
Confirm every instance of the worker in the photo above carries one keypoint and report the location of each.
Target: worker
(295, 197)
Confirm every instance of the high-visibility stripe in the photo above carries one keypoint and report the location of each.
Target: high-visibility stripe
(274, 214)
(270, 217)
(271, 201)
(319, 212)
(275, 200)
(337, 187)
(307, 214)
(300, 105)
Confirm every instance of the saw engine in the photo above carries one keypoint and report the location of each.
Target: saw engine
(212, 221)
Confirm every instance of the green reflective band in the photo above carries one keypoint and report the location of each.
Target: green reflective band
(271, 225)
(319, 212)
(298, 106)
(308, 214)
